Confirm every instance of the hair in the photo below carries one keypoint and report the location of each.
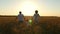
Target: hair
(36, 11)
(20, 12)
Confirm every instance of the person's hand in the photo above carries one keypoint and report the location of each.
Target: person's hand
(16, 20)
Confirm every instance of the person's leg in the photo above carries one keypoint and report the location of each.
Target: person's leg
(19, 24)
(36, 21)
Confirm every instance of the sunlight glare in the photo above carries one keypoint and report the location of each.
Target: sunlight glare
(28, 8)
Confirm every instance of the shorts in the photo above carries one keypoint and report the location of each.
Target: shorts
(20, 22)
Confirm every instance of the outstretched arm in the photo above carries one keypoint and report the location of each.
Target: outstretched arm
(16, 18)
(38, 15)
(23, 17)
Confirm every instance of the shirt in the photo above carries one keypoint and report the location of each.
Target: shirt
(36, 17)
(20, 17)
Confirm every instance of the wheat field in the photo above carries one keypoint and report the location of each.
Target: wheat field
(46, 25)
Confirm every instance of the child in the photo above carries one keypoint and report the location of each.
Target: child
(36, 17)
(20, 17)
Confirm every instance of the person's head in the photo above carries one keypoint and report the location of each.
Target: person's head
(20, 12)
(36, 11)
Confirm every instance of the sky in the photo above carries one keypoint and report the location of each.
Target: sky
(28, 7)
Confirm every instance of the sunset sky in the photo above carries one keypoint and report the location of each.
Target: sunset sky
(28, 7)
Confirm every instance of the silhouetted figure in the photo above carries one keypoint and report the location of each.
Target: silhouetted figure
(36, 17)
(20, 17)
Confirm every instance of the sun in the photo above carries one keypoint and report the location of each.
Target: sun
(28, 8)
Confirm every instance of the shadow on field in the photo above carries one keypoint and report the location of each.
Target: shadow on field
(47, 27)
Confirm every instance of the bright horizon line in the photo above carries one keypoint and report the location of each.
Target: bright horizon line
(24, 15)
